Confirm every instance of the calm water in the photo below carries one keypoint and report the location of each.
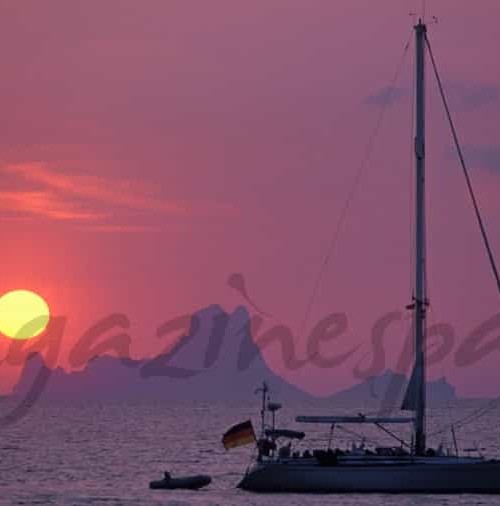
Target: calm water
(92, 453)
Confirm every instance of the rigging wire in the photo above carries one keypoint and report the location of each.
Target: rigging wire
(465, 170)
(394, 436)
(364, 161)
(355, 434)
(470, 417)
(370, 439)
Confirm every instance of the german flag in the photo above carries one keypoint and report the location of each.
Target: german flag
(239, 435)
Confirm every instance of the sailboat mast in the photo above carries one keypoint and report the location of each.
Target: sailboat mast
(420, 302)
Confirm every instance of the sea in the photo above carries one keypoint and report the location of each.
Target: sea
(95, 453)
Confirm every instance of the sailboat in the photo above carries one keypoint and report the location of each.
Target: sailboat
(417, 468)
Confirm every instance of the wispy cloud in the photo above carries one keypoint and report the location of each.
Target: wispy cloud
(100, 204)
(471, 95)
(111, 192)
(465, 95)
(46, 204)
(484, 157)
(386, 96)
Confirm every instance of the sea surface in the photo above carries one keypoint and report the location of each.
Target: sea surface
(82, 453)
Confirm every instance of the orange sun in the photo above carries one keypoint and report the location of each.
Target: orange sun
(23, 314)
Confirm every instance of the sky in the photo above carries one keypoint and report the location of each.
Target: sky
(150, 150)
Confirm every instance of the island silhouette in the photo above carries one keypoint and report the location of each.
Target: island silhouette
(216, 360)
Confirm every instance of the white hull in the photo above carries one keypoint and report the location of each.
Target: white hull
(403, 475)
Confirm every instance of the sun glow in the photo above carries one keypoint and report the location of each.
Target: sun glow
(23, 314)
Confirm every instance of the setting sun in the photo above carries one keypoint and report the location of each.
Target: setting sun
(23, 314)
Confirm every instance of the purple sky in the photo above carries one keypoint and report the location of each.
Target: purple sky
(150, 149)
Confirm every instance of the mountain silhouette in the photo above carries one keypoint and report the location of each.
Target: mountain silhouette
(217, 359)
(389, 388)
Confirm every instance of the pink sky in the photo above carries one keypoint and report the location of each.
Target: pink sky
(150, 149)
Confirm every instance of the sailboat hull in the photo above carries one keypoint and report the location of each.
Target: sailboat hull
(433, 475)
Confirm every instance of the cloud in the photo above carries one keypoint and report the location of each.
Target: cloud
(465, 95)
(470, 96)
(386, 96)
(484, 157)
(101, 204)
(126, 193)
(46, 204)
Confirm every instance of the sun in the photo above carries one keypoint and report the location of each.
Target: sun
(23, 314)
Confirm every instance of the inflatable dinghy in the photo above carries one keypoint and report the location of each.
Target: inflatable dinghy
(186, 482)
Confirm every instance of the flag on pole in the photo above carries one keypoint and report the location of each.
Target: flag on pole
(239, 435)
